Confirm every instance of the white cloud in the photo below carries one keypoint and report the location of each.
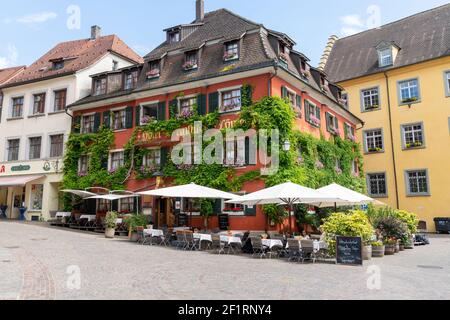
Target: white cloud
(352, 20)
(33, 18)
(11, 57)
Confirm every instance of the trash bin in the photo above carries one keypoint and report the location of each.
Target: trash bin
(442, 225)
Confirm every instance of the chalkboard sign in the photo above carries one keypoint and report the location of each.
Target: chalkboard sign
(183, 220)
(224, 222)
(349, 251)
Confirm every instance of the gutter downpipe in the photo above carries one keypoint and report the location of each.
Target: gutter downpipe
(270, 79)
(392, 140)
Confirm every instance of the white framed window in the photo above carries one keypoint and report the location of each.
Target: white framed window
(88, 123)
(56, 145)
(230, 100)
(373, 141)
(37, 194)
(17, 107)
(174, 36)
(116, 160)
(60, 100)
(153, 158)
(385, 57)
(332, 124)
(12, 149)
(38, 104)
(127, 205)
(350, 132)
(149, 112)
(417, 183)
(446, 83)
(186, 106)
(377, 185)
(83, 165)
(190, 60)
(118, 119)
(99, 86)
(370, 99)
(154, 70)
(312, 114)
(409, 91)
(235, 153)
(413, 136)
(131, 79)
(34, 148)
(231, 51)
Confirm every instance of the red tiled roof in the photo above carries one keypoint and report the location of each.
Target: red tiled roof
(8, 73)
(78, 55)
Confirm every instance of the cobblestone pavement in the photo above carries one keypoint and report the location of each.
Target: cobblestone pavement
(43, 263)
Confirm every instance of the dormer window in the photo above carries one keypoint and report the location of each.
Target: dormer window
(131, 79)
(99, 86)
(385, 57)
(283, 52)
(191, 60)
(58, 65)
(154, 70)
(231, 51)
(174, 36)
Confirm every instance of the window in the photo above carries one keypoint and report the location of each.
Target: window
(152, 159)
(87, 124)
(149, 113)
(446, 79)
(103, 205)
(376, 184)
(118, 119)
(117, 160)
(35, 148)
(231, 51)
(417, 182)
(99, 86)
(13, 149)
(190, 204)
(312, 114)
(131, 79)
(231, 101)
(127, 205)
(332, 124)
(186, 107)
(154, 69)
(60, 100)
(409, 91)
(385, 56)
(191, 60)
(350, 132)
(83, 165)
(37, 192)
(115, 65)
(370, 99)
(344, 99)
(235, 153)
(38, 104)
(56, 145)
(413, 136)
(374, 140)
(355, 167)
(17, 107)
(58, 65)
(174, 36)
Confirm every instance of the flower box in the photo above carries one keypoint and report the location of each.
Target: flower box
(334, 131)
(374, 150)
(185, 114)
(155, 73)
(189, 65)
(314, 121)
(230, 56)
(147, 119)
(413, 145)
(409, 100)
(373, 107)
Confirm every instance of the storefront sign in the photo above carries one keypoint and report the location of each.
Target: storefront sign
(20, 168)
(349, 251)
(2, 169)
(148, 137)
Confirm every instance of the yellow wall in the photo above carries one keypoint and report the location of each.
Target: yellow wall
(434, 111)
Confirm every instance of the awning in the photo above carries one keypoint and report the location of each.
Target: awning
(81, 193)
(19, 181)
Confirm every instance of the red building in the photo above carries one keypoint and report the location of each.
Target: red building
(209, 61)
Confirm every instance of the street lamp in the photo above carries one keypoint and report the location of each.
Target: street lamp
(287, 145)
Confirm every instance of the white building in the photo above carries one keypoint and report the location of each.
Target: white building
(34, 123)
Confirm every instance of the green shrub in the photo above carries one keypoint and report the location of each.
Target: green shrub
(110, 220)
(392, 228)
(135, 221)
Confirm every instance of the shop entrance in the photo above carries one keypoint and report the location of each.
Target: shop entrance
(165, 215)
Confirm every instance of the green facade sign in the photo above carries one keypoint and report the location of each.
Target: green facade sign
(20, 168)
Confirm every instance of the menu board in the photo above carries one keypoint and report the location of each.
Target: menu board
(349, 251)
(224, 222)
(183, 220)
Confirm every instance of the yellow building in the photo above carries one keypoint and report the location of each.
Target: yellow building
(397, 80)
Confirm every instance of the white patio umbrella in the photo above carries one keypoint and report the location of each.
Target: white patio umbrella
(81, 193)
(348, 197)
(192, 190)
(284, 194)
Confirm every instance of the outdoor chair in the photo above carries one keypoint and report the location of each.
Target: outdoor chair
(258, 248)
(294, 250)
(166, 238)
(191, 243)
(217, 244)
(179, 242)
(234, 246)
(307, 251)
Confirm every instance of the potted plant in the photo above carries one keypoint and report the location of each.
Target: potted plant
(133, 223)
(378, 249)
(390, 245)
(367, 250)
(110, 224)
(206, 211)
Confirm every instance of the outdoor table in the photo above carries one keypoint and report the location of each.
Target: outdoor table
(88, 217)
(154, 232)
(230, 240)
(203, 237)
(317, 245)
(272, 243)
(63, 214)
(181, 229)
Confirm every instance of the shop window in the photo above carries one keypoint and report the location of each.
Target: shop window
(37, 192)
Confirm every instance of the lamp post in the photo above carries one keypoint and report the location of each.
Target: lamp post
(287, 146)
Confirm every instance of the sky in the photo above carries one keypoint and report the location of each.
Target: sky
(29, 28)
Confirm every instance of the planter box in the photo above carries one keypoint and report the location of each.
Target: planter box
(378, 252)
(389, 250)
(367, 252)
(397, 248)
(110, 233)
(402, 247)
(134, 237)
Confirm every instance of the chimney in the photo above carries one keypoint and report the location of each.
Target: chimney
(326, 53)
(200, 10)
(96, 32)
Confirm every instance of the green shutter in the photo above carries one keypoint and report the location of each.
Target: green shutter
(284, 92)
(104, 161)
(76, 124)
(162, 111)
(328, 118)
(173, 108)
(138, 116)
(250, 211)
(97, 120)
(107, 119)
(129, 117)
(247, 150)
(298, 100)
(217, 207)
(201, 104)
(164, 157)
(213, 103)
(307, 111)
(318, 113)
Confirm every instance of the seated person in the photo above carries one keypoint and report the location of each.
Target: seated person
(305, 235)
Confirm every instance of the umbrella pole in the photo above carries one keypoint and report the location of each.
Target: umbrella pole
(335, 207)
(290, 218)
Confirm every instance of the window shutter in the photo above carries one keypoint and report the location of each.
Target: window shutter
(164, 157)
(97, 120)
(307, 111)
(76, 124)
(213, 102)
(318, 113)
(328, 118)
(247, 150)
(173, 108)
(217, 207)
(298, 100)
(107, 119)
(284, 92)
(250, 211)
(138, 115)
(162, 111)
(201, 104)
(137, 204)
(129, 117)
(337, 123)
